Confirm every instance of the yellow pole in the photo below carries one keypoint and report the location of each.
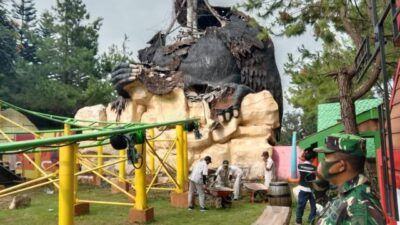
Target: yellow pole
(140, 180)
(38, 161)
(40, 169)
(100, 159)
(108, 181)
(185, 158)
(66, 193)
(121, 173)
(76, 167)
(151, 157)
(179, 158)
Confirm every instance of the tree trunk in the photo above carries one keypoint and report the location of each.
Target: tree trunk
(194, 15)
(347, 105)
(191, 16)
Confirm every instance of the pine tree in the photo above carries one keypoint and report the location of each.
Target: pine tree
(7, 41)
(46, 25)
(78, 42)
(7, 52)
(24, 13)
(68, 76)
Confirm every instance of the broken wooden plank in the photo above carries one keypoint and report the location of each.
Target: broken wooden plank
(274, 215)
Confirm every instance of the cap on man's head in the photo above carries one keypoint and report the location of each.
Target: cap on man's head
(207, 158)
(225, 162)
(345, 143)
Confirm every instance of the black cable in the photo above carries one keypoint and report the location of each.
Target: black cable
(358, 9)
(17, 152)
(154, 152)
(58, 146)
(157, 135)
(31, 148)
(140, 157)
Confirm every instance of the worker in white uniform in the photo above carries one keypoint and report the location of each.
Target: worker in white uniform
(226, 173)
(269, 171)
(197, 182)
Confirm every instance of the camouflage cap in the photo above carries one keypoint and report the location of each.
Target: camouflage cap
(345, 143)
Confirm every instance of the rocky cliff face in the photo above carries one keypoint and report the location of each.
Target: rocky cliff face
(241, 140)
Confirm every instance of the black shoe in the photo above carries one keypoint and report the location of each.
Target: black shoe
(203, 209)
(190, 208)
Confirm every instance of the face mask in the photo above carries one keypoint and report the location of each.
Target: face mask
(325, 166)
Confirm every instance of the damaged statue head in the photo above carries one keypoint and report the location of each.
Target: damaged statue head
(218, 57)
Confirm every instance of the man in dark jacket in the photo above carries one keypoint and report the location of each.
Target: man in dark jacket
(307, 175)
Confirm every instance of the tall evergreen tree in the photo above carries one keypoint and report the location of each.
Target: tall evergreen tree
(24, 13)
(78, 42)
(7, 51)
(46, 25)
(67, 77)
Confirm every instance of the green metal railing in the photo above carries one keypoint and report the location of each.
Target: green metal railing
(66, 120)
(86, 136)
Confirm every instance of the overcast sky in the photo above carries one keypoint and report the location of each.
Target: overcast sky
(141, 19)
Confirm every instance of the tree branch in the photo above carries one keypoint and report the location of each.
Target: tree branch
(370, 82)
(215, 13)
(171, 25)
(348, 26)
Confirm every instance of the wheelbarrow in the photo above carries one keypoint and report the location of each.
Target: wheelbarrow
(258, 192)
(222, 196)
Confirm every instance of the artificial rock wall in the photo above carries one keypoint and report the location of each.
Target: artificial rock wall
(241, 140)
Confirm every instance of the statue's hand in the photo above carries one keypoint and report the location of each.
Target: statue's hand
(228, 105)
(123, 74)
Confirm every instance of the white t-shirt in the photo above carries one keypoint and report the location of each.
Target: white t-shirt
(270, 168)
(232, 170)
(198, 171)
(236, 171)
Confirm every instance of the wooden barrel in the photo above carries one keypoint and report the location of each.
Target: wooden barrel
(279, 194)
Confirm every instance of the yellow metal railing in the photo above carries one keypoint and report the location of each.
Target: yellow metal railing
(70, 159)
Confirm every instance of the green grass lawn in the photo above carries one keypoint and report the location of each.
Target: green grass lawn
(44, 211)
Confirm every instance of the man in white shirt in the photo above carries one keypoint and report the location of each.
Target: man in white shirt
(227, 172)
(269, 172)
(197, 182)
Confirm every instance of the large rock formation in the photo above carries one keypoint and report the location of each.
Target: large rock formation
(241, 140)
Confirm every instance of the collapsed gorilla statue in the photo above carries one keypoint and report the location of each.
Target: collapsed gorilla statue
(221, 63)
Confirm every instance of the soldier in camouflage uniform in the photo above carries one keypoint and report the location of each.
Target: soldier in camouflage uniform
(343, 166)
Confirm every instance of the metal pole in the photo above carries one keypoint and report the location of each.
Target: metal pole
(379, 32)
(140, 179)
(100, 159)
(385, 168)
(151, 157)
(294, 157)
(66, 193)
(38, 161)
(121, 167)
(4, 147)
(76, 168)
(37, 167)
(179, 158)
(185, 158)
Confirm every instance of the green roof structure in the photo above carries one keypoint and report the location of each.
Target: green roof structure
(329, 122)
(329, 113)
